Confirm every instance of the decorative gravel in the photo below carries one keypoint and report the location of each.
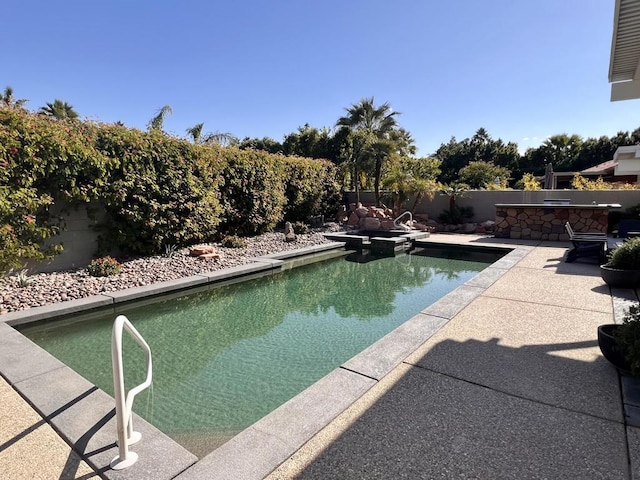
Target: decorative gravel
(47, 288)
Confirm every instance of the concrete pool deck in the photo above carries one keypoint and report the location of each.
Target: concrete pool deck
(509, 383)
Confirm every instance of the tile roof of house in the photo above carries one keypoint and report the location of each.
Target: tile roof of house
(607, 167)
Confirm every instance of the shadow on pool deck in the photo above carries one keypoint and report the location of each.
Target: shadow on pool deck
(516, 420)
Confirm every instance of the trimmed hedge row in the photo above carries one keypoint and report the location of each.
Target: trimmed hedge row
(153, 190)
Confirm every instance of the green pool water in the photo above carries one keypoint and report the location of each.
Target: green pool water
(225, 357)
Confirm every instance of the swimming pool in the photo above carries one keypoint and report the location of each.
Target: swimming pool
(235, 353)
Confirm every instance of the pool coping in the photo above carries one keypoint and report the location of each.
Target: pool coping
(83, 415)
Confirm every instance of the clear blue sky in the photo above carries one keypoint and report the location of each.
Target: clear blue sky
(522, 69)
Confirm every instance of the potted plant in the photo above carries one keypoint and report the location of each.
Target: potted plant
(620, 343)
(623, 267)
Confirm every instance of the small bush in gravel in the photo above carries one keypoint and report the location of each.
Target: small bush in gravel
(300, 228)
(103, 267)
(233, 241)
(23, 279)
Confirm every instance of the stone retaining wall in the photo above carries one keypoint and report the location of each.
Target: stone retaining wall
(540, 223)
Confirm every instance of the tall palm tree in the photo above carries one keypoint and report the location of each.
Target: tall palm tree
(157, 122)
(59, 109)
(379, 121)
(9, 101)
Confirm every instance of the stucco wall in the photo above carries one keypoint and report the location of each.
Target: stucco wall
(79, 240)
(483, 201)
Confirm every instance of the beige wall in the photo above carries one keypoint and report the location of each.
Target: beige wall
(483, 201)
(78, 239)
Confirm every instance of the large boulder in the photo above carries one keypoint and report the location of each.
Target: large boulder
(370, 223)
(362, 212)
(354, 220)
(199, 250)
(289, 234)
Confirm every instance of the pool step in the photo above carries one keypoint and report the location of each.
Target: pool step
(352, 241)
(412, 236)
(402, 241)
(389, 244)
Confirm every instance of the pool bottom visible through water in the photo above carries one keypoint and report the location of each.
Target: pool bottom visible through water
(225, 357)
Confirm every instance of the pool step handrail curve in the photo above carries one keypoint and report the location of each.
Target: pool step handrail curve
(124, 402)
(395, 222)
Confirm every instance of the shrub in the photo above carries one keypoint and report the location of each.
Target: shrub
(300, 228)
(165, 192)
(626, 256)
(103, 267)
(24, 225)
(233, 241)
(150, 189)
(627, 336)
(252, 191)
(456, 215)
(311, 188)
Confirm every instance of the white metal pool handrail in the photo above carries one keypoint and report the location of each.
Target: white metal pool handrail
(124, 416)
(395, 222)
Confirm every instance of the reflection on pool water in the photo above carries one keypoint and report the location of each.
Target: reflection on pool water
(225, 357)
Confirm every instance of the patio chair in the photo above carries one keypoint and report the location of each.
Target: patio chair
(586, 244)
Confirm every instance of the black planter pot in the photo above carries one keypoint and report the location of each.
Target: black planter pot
(609, 347)
(616, 277)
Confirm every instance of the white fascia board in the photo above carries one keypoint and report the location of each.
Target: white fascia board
(625, 90)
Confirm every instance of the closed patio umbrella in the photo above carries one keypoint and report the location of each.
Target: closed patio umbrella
(548, 176)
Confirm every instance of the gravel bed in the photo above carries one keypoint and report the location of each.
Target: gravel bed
(47, 288)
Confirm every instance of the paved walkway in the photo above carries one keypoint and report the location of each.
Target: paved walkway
(514, 386)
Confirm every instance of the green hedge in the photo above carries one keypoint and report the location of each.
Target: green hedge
(163, 192)
(252, 190)
(153, 189)
(311, 188)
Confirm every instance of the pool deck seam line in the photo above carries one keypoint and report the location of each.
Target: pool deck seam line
(521, 397)
(359, 373)
(546, 304)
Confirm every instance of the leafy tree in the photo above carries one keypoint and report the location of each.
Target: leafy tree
(59, 109)
(482, 174)
(157, 122)
(380, 122)
(412, 176)
(7, 99)
(266, 144)
(456, 155)
(310, 142)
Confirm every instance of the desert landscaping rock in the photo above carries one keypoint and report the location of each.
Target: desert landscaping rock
(48, 288)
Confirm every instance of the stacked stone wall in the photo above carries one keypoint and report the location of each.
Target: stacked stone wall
(539, 223)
